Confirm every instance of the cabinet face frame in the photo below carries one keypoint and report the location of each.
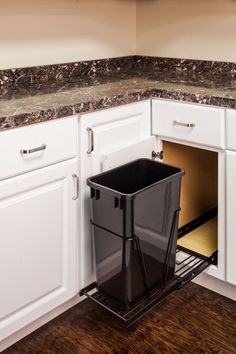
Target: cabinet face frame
(219, 270)
(230, 217)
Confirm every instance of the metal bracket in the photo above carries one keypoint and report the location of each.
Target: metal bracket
(157, 155)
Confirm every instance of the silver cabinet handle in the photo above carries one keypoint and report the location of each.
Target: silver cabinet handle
(30, 151)
(187, 125)
(76, 186)
(91, 140)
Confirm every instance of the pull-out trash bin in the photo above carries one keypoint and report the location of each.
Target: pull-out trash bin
(134, 220)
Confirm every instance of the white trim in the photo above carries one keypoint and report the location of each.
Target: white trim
(7, 342)
(216, 285)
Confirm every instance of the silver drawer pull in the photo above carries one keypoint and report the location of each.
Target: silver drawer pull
(30, 151)
(76, 186)
(187, 125)
(90, 140)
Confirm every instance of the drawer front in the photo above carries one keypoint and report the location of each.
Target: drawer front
(191, 123)
(32, 147)
(231, 129)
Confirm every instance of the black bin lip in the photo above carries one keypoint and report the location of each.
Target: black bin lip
(133, 195)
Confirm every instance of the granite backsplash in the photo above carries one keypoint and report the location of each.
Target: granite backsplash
(67, 72)
(210, 73)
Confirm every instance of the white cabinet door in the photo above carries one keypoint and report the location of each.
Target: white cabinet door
(37, 244)
(115, 136)
(231, 217)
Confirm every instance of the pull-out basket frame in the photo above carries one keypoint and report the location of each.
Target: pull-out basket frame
(186, 270)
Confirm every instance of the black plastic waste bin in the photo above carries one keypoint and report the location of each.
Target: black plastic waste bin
(135, 218)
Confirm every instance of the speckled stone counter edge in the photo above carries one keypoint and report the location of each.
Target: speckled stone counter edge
(109, 102)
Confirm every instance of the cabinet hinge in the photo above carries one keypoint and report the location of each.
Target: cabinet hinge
(157, 155)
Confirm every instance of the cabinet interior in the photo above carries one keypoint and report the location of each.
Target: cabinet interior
(199, 196)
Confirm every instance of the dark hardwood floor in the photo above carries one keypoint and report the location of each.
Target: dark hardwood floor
(192, 320)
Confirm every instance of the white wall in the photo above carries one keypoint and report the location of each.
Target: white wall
(38, 32)
(194, 29)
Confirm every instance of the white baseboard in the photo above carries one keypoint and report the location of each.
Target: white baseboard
(216, 285)
(38, 323)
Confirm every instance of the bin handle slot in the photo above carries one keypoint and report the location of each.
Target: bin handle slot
(92, 193)
(116, 202)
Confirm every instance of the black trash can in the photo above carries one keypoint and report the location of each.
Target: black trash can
(135, 219)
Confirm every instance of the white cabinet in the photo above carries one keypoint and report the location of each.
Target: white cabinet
(108, 138)
(43, 260)
(202, 128)
(112, 137)
(231, 217)
(37, 244)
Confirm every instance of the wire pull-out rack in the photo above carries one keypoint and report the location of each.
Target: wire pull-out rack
(187, 268)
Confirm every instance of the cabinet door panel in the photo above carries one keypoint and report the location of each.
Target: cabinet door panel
(115, 131)
(37, 245)
(231, 217)
(141, 149)
(26, 237)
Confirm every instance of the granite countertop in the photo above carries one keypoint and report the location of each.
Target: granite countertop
(27, 104)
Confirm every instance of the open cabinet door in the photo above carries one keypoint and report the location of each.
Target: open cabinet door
(108, 138)
(142, 149)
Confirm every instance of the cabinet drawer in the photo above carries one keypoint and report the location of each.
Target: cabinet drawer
(29, 148)
(187, 122)
(231, 129)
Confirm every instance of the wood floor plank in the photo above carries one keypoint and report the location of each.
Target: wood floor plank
(192, 320)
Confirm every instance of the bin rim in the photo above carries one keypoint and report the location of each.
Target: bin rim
(133, 195)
